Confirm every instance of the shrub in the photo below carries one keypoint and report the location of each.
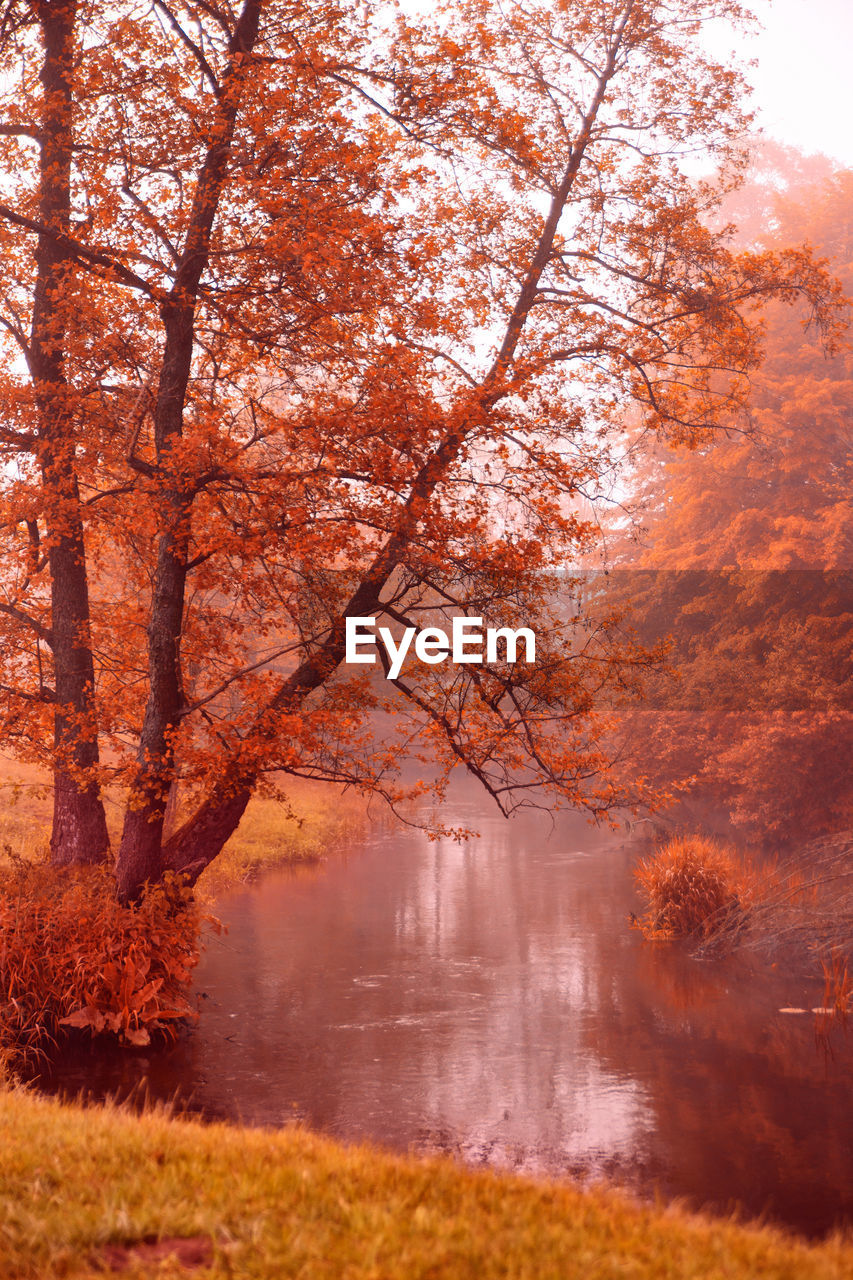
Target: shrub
(72, 957)
(691, 885)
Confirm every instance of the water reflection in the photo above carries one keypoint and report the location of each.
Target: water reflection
(490, 1000)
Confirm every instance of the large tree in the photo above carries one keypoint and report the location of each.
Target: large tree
(316, 312)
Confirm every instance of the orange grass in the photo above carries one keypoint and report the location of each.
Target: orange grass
(692, 885)
(837, 985)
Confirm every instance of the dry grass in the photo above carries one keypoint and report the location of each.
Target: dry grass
(314, 819)
(26, 805)
(83, 1190)
(692, 885)
(802, 907)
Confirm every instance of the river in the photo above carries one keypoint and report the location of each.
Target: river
(490, 1000)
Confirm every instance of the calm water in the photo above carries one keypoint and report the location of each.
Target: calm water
(490, 1001)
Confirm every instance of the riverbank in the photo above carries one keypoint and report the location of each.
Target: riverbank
(94, 1190)
(315, 819)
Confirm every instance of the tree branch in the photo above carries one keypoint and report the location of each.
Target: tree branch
(82, 254)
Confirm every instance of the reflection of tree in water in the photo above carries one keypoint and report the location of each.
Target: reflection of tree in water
(442, 991)
(523, 1086)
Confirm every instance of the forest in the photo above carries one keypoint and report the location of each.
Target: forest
(741, 552)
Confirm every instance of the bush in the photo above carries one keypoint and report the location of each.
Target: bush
(72, 957)
(692, 885)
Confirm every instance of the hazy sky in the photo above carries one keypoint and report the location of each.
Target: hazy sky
(804, 77)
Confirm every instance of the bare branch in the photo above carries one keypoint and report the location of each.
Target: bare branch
(187, 40)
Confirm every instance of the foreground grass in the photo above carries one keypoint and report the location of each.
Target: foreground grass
(83, 1190)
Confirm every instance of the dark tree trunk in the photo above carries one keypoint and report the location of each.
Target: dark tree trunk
(79, 826)
(140, 852)
(140, 856)
(199, 841)
(79, 833)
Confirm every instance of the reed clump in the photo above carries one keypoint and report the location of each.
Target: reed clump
(693, 886)
(71, 956)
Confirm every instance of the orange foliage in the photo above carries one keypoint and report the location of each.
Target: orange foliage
(71, 956)
(748, 559)
(312, 312)
(692, 886)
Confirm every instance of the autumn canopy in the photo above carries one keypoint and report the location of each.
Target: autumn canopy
(310, 312)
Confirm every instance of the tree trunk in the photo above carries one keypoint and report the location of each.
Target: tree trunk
(140, 856)
(140, 852)
(199, 841)
(79, 826)
(79, 832)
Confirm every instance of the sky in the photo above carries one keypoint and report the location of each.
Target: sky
(804, 78)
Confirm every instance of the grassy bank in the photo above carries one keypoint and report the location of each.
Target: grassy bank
(317, 818)
(86, 1190)
(26, 804)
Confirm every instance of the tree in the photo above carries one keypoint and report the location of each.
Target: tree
(750, 559)
(329, 315)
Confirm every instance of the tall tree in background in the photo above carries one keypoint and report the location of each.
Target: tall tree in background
(36, 316)
(310, 314)
(751, 538)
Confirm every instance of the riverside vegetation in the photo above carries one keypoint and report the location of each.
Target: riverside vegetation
(699, 889)
(74, 958)
(692, 885)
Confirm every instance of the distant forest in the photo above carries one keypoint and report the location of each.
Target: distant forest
(745, 543)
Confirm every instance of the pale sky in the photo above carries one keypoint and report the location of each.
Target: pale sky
(804, 76)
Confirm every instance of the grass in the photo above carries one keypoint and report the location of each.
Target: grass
(317, 817)
(805, 904)
(692, 886)
(26, 805)
(79, 1188)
